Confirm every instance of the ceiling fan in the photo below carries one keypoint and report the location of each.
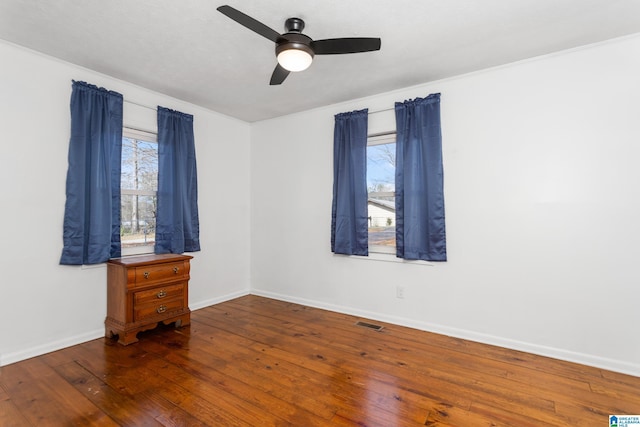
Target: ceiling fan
(294, 50)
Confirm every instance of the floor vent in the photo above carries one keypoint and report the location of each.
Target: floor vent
(369, 325)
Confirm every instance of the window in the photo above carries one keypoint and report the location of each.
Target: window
(381, 169)
(139, 186)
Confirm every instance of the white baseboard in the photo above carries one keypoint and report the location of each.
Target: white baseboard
(39, 350)
(213, 301)
(556, 353)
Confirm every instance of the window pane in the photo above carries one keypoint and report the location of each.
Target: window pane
(138, 211)
(139, 165)
(381, 166)
(138, 226)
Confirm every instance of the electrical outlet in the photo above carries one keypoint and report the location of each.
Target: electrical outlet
(399, 292)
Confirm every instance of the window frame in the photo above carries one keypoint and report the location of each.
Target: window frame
(373, 140)
(146, 136)
(386, 253)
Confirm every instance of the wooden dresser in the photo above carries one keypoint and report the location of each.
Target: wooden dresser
(145, 290)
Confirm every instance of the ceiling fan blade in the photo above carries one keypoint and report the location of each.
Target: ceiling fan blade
(278, 76)
(345, 45)
(249, 22)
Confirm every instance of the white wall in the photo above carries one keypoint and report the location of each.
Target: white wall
(542, 211)
(45, 306)
(541, 188)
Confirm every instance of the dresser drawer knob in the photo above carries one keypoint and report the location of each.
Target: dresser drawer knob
(146, 274)
(162, 294)
(162, 309)
(175, 270)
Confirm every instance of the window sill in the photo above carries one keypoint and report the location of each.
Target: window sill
(132, 251)
(138, 250)
(390, 257)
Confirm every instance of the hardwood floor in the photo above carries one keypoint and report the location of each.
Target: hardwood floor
(259, 362)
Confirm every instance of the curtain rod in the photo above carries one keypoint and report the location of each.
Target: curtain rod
(135, 129)
(381, 111)
(141, 105)
(389, 132)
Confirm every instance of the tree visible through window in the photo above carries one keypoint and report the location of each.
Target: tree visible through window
(381, 168)
(139, 186)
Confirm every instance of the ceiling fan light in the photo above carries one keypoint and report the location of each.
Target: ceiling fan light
(294, 59)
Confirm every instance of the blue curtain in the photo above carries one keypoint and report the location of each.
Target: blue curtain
(420, 225)
(91, 231)
(349, 208)
(177, 225)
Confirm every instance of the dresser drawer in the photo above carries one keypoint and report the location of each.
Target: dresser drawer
(157, 309)
(157, 273)
(159, 293)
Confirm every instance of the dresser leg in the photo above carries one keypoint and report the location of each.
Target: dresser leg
(183, 321)
(108, 333)
(126, 338)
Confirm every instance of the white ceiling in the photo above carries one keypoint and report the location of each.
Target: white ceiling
(188, 50)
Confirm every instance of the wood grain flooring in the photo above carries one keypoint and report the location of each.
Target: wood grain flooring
(255, 361)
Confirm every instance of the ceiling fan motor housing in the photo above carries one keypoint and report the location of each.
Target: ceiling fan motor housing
(296, 41)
